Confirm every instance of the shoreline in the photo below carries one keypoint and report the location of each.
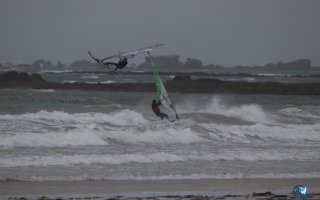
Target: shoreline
(157, 188)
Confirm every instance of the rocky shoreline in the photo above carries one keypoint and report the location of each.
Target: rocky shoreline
(253, 196)
(180, 84)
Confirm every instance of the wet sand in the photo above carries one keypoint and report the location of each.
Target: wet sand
(159, 189)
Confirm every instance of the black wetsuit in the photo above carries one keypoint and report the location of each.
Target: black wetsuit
(156, 110)
(120, 65)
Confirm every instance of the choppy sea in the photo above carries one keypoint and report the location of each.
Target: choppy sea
(98, 135)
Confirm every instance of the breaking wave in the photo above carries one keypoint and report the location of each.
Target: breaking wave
(246, 112)
(85, 137)
(209, 134)
(57, 128)
(85, 177)
(160, 157)
(265, 133)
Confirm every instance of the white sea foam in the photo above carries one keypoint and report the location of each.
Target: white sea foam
(165, 135)
(275, 75)
(225, 176)
(249, 79)
(280, 133)
(88, 159)
(246, 112)
(251, 113)
(57, 128)
(215, 176)
(195, 176)
(56, 71)
(95, 135)
(76, 137)
(91, 76)
(161, 157)
(104, 82)
(43, 90)
(110, 81)
(122, 117)
(297, 112)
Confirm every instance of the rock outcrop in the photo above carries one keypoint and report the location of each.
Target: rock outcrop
(181, 84)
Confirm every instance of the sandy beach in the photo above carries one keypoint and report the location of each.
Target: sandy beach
(159, 189)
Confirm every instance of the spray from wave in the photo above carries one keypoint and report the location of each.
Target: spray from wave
(216, 106)
(159, 157)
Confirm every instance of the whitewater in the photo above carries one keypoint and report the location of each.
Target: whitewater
(72, 135)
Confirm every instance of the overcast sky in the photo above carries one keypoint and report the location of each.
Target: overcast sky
(226, 32)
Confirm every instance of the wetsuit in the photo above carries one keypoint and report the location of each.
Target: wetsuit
(156, 110)
(120, 65)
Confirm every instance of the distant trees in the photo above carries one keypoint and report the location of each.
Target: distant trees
(168, 60)
(300, 64)
(8, 64)
(42, 64)
(60, 65)
(172, 63)
(80, 64)
(213, 67)
(193, 62)
(169, 63)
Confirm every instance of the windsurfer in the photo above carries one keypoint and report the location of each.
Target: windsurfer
(120, 65)
(156, 110)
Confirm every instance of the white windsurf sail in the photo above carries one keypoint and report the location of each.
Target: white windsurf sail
(132, 54)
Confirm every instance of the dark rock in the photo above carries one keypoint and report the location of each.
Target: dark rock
(264, 194)
(181, 84)
(36, 77)
(182, 78)
(14, 76)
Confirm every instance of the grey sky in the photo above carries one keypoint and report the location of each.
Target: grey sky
(227, 32)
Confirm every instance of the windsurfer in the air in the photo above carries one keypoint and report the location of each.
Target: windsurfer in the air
(156, 110)
(119, 65)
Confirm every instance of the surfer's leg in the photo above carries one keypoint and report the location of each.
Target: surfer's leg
(165, 115)
(162, 115)
(111, 64)
(117, 66)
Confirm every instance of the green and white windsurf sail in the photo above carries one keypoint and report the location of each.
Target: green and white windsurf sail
(162, 94)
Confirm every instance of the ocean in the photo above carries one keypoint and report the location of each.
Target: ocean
(74, 135)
